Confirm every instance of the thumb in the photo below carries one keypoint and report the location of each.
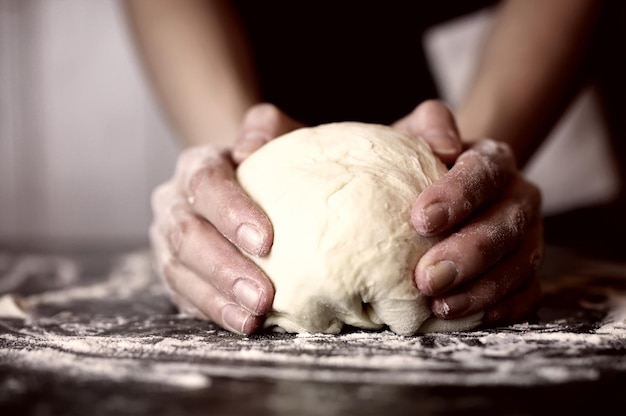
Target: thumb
(433, 121)
(262, 123)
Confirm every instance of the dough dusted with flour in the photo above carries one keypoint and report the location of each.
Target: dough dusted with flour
(339, 197)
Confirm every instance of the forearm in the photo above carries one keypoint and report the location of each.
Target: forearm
(197, 60)
(527, 72)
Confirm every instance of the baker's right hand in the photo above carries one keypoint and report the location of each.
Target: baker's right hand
(202, 219)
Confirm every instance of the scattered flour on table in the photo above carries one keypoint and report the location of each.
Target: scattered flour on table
(177, 352)
(65, 270)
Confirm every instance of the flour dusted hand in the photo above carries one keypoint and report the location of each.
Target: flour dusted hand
(339, 197)
(489, 218)
(203, 221)
(201, 218)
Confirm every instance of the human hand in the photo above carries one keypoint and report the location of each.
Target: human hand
(202, 218)
(263, 122)
(490, 218)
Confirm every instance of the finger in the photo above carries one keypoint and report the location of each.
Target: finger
(262, 123)
(162, 261)
(208, 182)
(433, 121)
(516, 307)
(185, 307)
(498, 231)
(187, 290)
(209, 301)
(478, 176)
(202, 249)
(503, 279)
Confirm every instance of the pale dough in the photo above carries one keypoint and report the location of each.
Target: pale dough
(11, 308)
(339, 197)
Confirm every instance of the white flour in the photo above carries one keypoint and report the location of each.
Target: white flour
(179, 352)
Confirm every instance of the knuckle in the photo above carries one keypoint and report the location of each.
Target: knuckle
(463, 192)
(494, 158)
(195, 182)
(480, 177)
(488, 245)
(221, 276)
(180, 227)
(204, 176)
(506, 234)
(197, 165)
(494, 149)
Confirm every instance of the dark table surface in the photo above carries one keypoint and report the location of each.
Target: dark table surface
(94, 334)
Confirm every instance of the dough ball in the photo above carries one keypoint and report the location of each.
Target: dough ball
(339, 197)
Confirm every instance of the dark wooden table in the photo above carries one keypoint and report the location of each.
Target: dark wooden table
(93, 334)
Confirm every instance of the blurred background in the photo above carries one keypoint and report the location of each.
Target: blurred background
(82, 141)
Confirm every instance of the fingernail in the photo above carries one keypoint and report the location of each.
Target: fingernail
(250, 239)
(248, 294)
(443, 141)
(234, 318)
(440, 276)
(432, 218)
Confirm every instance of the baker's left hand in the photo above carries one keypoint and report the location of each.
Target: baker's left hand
(489, 216)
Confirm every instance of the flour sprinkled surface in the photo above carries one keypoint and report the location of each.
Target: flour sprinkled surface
(111, 332)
